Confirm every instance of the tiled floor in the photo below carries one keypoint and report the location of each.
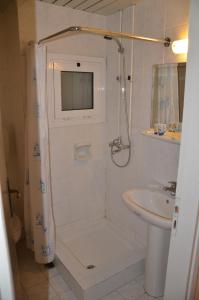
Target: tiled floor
(39, 283)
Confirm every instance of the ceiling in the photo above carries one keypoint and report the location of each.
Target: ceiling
(103, 7)
(4, 4)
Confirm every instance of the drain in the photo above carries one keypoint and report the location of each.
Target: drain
(90, 267)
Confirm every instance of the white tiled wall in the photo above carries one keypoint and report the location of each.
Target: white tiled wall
(80, 189)
(78, 186)
(151, 160)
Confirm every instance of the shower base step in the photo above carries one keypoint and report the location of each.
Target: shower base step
(96, 260)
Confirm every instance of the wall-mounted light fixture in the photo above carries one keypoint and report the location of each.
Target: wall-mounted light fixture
(180, 46)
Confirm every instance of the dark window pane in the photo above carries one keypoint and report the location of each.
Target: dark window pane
(76, 90)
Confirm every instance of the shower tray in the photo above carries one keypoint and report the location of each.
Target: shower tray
(95, 259)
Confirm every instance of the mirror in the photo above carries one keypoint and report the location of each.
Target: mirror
(168, 94)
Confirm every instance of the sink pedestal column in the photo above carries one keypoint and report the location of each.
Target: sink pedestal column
(156, 260)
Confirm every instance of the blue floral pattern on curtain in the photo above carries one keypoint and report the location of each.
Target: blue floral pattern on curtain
(39, 224)
(165, 94)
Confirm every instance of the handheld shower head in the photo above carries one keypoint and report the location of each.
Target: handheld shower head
(120, 47)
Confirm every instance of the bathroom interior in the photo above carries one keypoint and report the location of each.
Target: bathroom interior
(92, 105)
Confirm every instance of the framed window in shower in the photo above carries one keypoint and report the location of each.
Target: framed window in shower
(78, 87)
(77, 90)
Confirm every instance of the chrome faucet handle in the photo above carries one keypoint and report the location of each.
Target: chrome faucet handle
(116, 142)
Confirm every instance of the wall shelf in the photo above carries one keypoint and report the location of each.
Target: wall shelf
(169, 137)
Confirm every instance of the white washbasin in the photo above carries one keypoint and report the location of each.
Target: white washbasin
(152, 205)
(155, 207)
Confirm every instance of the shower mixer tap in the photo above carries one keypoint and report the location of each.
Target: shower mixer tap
(117, 145)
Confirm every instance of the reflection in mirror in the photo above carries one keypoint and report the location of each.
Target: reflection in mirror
(168, 94)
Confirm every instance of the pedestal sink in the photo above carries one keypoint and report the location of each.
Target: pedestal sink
(155, 207)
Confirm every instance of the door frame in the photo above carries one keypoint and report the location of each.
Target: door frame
(6, 275)
(182, 244)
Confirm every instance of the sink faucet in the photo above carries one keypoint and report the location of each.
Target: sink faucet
(171, 188)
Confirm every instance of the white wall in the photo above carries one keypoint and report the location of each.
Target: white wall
(78, 187)
(152, 160)
(6, 272)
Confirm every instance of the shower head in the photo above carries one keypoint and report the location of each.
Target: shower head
(120, 47)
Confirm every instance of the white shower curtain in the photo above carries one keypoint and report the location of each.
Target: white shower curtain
(39, 225)
(165, 94)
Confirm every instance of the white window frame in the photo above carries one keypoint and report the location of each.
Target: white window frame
(61, 62)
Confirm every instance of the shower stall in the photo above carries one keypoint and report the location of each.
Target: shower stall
(67, 156)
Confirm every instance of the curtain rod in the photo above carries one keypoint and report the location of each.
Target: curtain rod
(76, 29)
